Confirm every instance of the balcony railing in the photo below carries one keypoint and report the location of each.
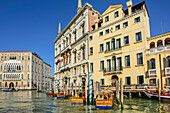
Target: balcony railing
(11, 79)
(11, 71)
(158, 50)
(114, 70)
(152, 72)
(167, 70)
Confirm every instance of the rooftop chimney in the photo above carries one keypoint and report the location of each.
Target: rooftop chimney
(129, 5)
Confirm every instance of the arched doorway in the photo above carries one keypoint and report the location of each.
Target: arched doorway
(114, 78)
(159, 43)
(11, 85)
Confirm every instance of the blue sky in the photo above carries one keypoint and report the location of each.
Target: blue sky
(32, 25)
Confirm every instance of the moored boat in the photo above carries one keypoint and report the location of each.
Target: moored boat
(60, 95)
(164, 95)
(49, 93)
(105, 99)
(79, 98)
(9, 90)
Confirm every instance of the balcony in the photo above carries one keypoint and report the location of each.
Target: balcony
(11, 71)
(65, 49)
(113, 70)
(152, 72)
(66, 66)
(167, 70)
(11, 79)
(158, 50)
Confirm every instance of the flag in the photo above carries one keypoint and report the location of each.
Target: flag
(61, 60)
(57, 62)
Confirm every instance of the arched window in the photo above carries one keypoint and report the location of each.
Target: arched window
(167, 41)
(168, 61)
(152, 45)
(159, 43)
(152, 64)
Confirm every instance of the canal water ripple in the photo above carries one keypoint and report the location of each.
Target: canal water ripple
(34, 102)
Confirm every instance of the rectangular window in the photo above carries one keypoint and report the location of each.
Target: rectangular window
(101, 65)
(22, 56)
(126, 40)
(107, 46)
(125, 24)
(106, 18)
(101, 48)
(127, 61)
(0, 84)
(102, 82)
(119, 64)
(109, 64)
(0, 76)
(136, 20)
(153, 82)
(1, 56)
(91, 38)
(140, 79)
(128, 80)
(19, 56)
(83, 53)
(5, 56)
(91, 67)
(75, 36)
(100, 33)
(113, 45)
(91, 50)
(118, 43)
(28, 67)
(116, 14)
(107, 31)
(22, 76)
(82, 27)
(28, 56)
(138, 36)
(139, 58)
(167, 81)
(28, 76)
(22, 67)
(117, 27)
(1, 68)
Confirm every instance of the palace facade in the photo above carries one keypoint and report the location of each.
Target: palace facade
(71, 48)
(23, 70)
(117, 47)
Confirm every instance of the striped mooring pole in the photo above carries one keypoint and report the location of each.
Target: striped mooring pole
(56, 86)
(90, 88)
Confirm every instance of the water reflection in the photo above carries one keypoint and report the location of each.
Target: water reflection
(31, 101)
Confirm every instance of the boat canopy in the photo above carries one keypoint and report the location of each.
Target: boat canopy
(107, 91)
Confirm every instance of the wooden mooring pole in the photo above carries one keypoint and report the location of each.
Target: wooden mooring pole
(121, 88)
(159, 90)
(117, 91)
(75, 89)
(94, 86)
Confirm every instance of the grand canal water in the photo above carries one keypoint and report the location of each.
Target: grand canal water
(31, 101)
